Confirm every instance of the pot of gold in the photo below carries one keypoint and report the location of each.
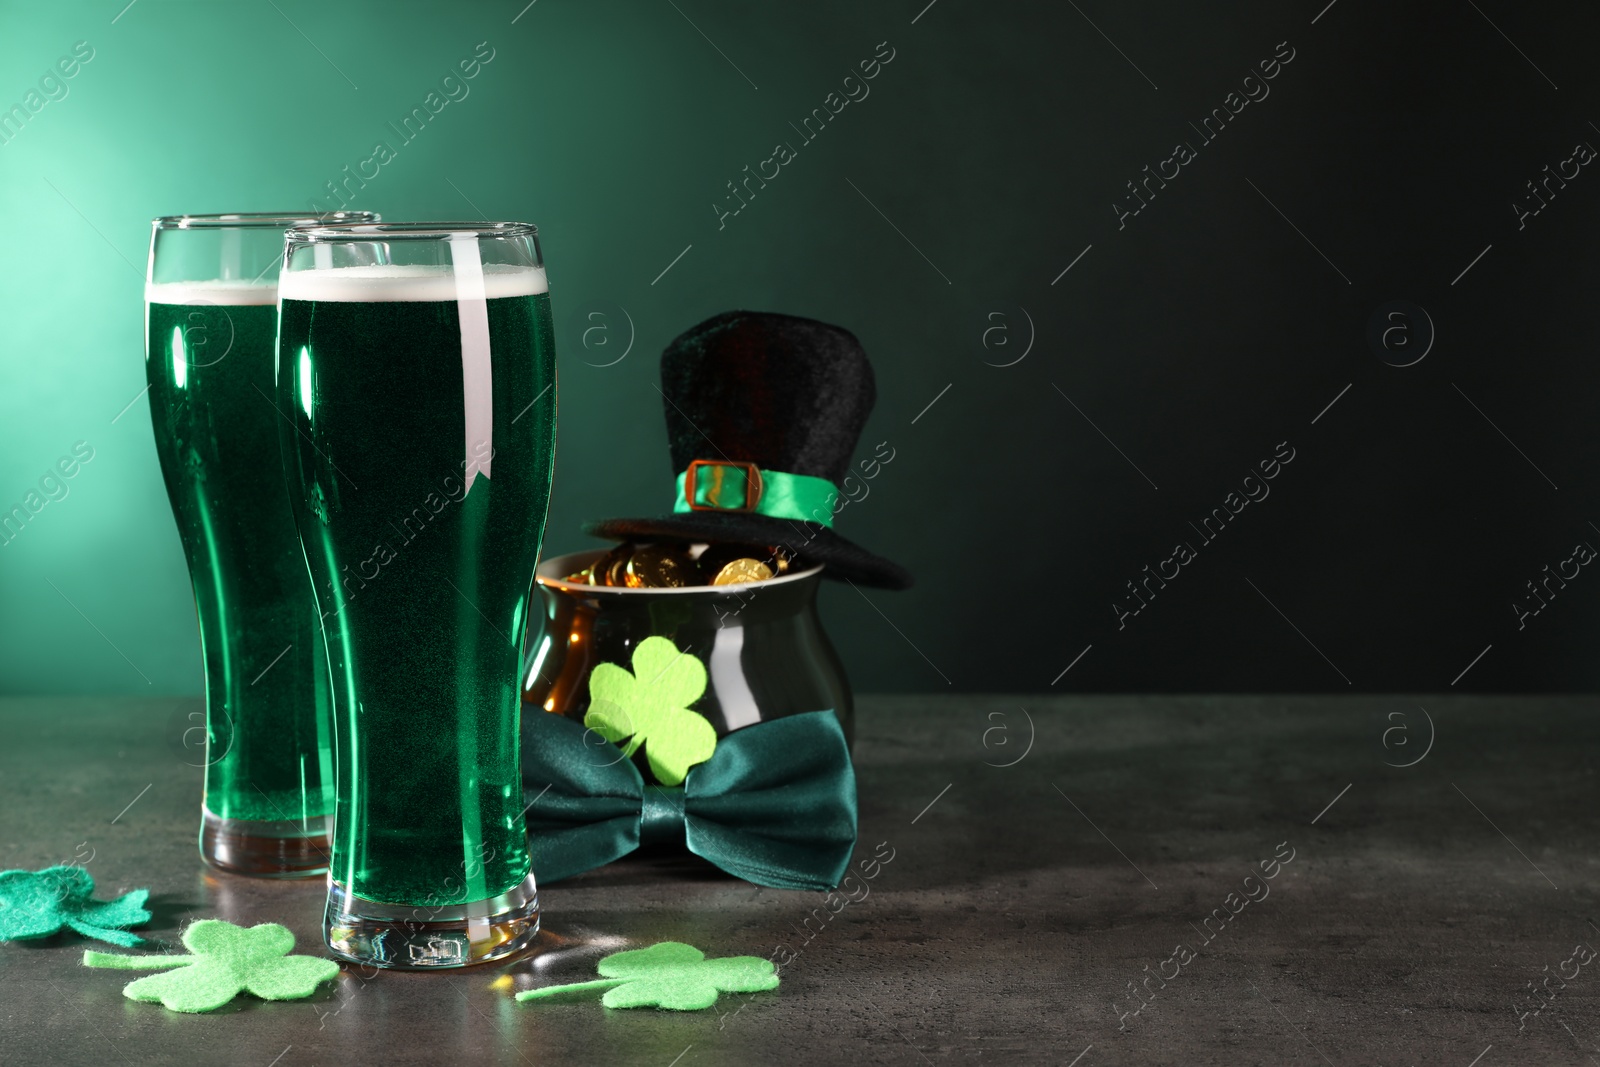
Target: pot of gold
(726, 633)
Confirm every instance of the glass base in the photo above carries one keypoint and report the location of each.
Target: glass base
(266, 849)
(430, 937)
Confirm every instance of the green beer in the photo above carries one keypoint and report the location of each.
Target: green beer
(210, 349)
(269, 756)
(419, 456)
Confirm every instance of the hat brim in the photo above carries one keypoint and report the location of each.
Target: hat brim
(843, 559)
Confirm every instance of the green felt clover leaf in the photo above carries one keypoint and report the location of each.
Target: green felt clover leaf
(38, 903)
(227, 961)
(651, 706)
(669, 975)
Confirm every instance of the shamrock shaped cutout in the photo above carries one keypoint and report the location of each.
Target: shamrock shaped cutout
(651, 705)
(669, 975)
(227, 960)
(38, 903)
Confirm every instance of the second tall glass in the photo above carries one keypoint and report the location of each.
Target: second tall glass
(417, 364)
(209, 357)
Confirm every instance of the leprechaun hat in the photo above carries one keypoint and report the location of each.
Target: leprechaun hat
(764, 412)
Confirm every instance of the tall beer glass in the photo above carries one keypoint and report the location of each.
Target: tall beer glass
(209, 325)
(417, 364)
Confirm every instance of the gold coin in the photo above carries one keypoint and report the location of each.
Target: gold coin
(658, 567)
(742, 570)
(715, 557)
(607, 570)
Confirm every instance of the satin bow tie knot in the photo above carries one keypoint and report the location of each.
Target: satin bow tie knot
(775, 804)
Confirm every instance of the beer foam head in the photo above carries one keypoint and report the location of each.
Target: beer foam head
(371, 284)
(228, 294)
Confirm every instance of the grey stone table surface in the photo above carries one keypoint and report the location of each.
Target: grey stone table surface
(1069, 880)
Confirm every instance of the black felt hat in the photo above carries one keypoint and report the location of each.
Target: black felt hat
(763, 415)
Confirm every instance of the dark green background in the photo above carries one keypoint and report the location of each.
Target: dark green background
(1195, 339)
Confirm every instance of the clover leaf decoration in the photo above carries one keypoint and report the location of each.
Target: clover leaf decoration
(227, 960)
(651, 705)
(668, 975)
(38, 903)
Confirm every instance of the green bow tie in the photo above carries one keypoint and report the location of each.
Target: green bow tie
(775, 804)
